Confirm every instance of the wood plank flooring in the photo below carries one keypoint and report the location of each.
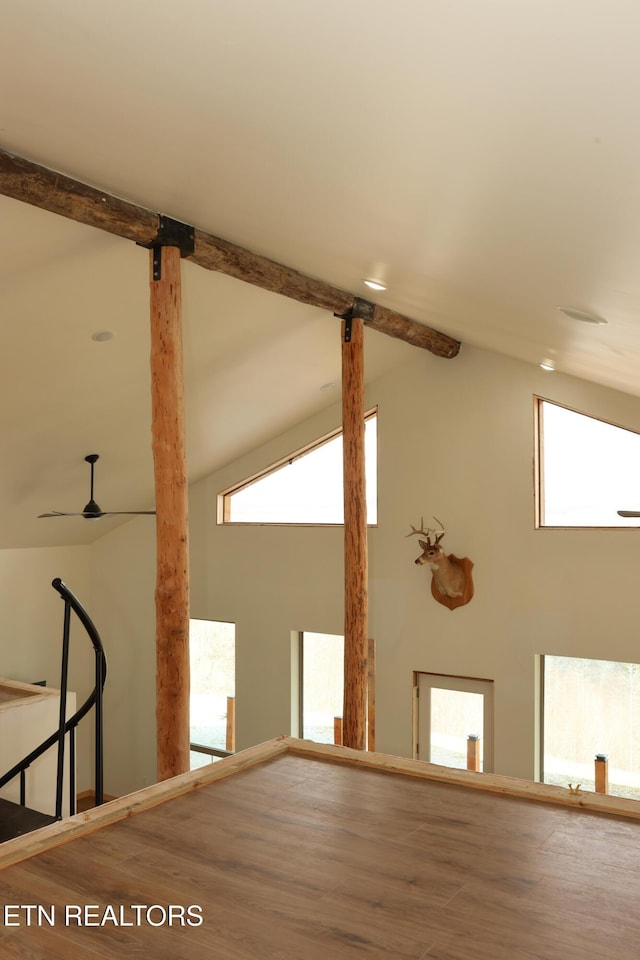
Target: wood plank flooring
(304, 859)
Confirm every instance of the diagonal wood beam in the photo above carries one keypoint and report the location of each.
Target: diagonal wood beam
(29, 182)
(39, 186)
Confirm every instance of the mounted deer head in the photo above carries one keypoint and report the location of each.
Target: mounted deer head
(451, 582)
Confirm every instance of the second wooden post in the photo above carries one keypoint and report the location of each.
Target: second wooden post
(355, 538)
(169, 456)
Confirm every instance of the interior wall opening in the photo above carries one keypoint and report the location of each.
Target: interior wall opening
(453, 721)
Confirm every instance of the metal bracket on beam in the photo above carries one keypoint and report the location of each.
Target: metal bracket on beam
(348, 318)
(171, 233)
(348, 322)
(359, 310)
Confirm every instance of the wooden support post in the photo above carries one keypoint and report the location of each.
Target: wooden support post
(473, 752)
(172, 580)
(355, 537)
(337, 731)
(602, 773)
(231, 724)
(371, 695)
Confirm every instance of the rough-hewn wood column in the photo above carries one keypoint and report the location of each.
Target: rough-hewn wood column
(355, 540)
(172, 582)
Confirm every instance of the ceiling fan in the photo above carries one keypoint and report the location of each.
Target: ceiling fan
(92, 511)
(629, 513)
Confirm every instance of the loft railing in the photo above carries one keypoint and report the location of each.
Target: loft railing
(71, 604)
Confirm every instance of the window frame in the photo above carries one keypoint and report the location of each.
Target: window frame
(425, 681)
(301, 677)
(224, 496)
(612, 744)
(538, 467)
(202, 748)
(297, 686)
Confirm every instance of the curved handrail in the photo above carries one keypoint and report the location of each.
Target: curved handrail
(95, 697)
(94, 636)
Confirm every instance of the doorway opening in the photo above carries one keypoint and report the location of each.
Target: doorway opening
(453, 721)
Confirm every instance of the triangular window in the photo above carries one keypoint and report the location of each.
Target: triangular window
(587, 470)
(304, 488)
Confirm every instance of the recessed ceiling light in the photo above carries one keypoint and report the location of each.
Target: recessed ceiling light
(375, 284)
(100, 336)
(547, 365)
(582, 315)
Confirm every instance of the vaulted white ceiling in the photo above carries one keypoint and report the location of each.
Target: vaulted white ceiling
(483, 156)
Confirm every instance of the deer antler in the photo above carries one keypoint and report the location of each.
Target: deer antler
(429, 532)
(415, 530)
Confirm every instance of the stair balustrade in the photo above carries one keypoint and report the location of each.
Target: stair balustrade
(71, 605)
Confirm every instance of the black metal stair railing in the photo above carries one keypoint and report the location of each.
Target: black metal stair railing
(71, 603)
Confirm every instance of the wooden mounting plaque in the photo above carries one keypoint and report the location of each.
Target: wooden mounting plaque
(453, 602)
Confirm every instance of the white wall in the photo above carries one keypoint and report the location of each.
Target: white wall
(32, 612)
(455, 440)
(123, 609)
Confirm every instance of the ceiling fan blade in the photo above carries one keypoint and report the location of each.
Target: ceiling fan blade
(59, 513)
(92, 511)
(128, 513)
(96, 516)
(629, 513)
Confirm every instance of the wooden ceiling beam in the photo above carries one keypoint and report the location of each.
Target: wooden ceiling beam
(234, 261)
(39, 186)
(29, 182)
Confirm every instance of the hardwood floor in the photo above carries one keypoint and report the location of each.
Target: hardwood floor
(305, 859)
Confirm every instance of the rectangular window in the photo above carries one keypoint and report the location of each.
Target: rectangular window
(586, 470)
(591, 707)
(212, 699)
(451, 712)
(321, 684)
